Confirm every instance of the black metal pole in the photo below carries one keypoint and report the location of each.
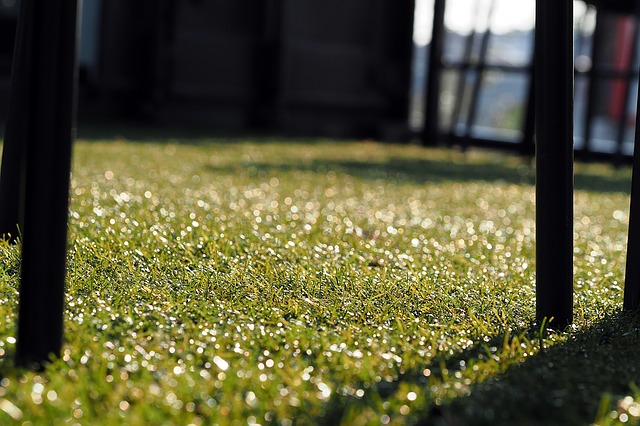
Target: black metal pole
(527, 143)
(593, 79)
(40, 123)
(431, 129)
(554, 161)
(14, 151)
(463, 77)
(632, 273)
(477, 84)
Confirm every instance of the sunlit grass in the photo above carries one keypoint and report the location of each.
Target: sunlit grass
(323, 282)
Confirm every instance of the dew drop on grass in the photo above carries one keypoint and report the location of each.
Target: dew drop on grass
(221, 363)
(251, 399)
(9, 408)
(325, 391)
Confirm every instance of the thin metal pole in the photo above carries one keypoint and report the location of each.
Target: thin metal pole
(431, 130)
(14, 151)
(632, 273)
(593, 79)
(463, 75)
(527, 144)
(41, 120)
(477, 84)
(554, 161)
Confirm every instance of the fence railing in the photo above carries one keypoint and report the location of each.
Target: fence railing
(475, 96)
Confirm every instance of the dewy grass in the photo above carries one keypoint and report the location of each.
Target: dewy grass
(323, 282)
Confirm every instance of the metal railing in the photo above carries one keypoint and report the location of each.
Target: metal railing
(604, 119)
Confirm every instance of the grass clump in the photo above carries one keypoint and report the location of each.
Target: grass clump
(231, 281)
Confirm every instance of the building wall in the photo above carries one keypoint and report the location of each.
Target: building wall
(214, 61)
(341, 73)
(331, 67)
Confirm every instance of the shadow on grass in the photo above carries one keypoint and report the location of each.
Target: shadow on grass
(563, 384)
(411, 169)
(152, 132)
(418, 170)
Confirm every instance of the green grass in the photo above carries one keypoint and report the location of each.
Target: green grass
(258, 281)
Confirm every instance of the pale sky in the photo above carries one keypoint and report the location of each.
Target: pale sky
(460, 16)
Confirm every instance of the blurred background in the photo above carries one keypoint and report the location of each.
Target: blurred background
(485, 68)
(356, 69)
(303, 67)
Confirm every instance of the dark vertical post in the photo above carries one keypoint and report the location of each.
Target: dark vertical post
(632, 275)
(14, 151)
(39, 129)
(554, 161)
(463, 76)
(431, 130)
(594, 77)
(527, 144)
(477, 84)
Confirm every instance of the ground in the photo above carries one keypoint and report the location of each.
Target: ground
(257, 281)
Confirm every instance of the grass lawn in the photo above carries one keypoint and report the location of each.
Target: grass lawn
(254, 281)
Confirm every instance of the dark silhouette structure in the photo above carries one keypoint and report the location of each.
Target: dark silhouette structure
(334, 68)
(36, 164)
(554, 158)
(466, 76)
(632, 273)
(554, 161)
(431, 133)
(606, 68)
